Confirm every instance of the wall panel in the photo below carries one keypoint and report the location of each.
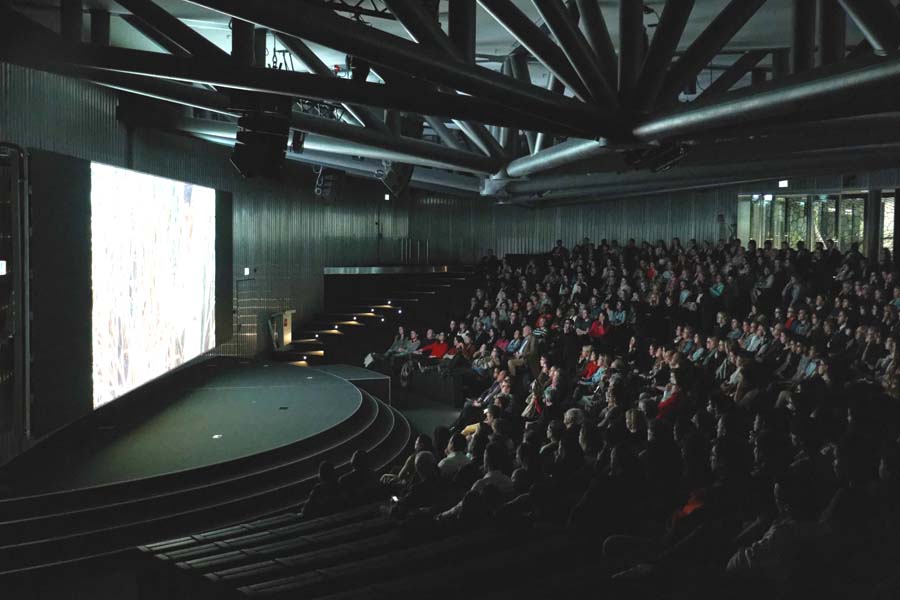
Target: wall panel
(461, 230)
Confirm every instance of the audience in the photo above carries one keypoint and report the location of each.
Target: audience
(700, 409)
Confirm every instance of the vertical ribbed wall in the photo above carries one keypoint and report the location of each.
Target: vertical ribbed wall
(462, 230)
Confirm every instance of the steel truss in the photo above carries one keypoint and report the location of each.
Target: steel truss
(601, 104)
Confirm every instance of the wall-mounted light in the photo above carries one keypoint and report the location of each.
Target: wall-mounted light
(784, 183)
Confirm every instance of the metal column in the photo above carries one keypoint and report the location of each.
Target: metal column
(804, 40)
(832, 32)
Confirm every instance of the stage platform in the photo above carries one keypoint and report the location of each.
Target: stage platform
(232, 410)
(219, 442)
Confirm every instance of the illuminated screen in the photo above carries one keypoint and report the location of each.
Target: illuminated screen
(153, 277)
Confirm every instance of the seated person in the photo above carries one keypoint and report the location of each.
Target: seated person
(326, 497)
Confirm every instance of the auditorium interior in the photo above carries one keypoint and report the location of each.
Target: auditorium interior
(483, 299)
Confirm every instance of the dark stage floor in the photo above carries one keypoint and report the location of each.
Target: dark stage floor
(236, 409)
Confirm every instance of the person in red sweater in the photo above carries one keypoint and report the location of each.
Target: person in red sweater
(436, 349)
(673, 398)
(600, 331)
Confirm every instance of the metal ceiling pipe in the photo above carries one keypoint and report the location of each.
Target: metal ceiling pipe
(734, 73)
(822, 89)
(559, 155)
(832, 32)
(617, 185)
(668, 33)
(178, 34)
(461, 27)
(321, 25)
(151, 34)
(416, 151)
(631, 44)
(577, 50)
(536, 42)
(803, 43)
(311, 60)
(707, 45)
(597, 33)
(422, 177)
(70, 20)
(159, 89)
(879, 22)
(519, 66)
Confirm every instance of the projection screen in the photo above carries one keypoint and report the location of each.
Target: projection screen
(153, 277)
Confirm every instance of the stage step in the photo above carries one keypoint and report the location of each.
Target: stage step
(110, 528)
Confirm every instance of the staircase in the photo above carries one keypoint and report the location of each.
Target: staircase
(363, 310)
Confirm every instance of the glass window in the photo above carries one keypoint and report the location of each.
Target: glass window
(887, 222)
(778, 233)
(796, 220)
(824, 221)
(851, 220)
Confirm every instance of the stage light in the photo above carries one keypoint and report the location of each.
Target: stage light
(382, 319)
(317, 336)
(400, 312)
(389, 302)
(304, 357)
(354, 318)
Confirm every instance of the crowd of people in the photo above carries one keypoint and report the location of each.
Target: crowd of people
(699, 408)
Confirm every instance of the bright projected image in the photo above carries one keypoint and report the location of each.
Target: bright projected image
(153, 277)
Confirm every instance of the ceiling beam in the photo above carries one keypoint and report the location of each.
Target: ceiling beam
(733, 74)
(631, 44)
(461, 28)
(172, 29)
(536, 42)
(879, 22)
(596, 31)
(424, 28)
(322, 26)
(668, 33)
(577, 50)
(708, 44)
(311, 60)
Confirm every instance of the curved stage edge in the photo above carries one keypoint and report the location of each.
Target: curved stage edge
(233, 440)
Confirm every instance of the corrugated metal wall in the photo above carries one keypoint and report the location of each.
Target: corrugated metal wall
(461, 230)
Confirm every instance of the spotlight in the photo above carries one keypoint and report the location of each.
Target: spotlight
(400, 312)
(304, 357)
(389, 302)
(382, 319)
(354, 318)
(317, 336)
